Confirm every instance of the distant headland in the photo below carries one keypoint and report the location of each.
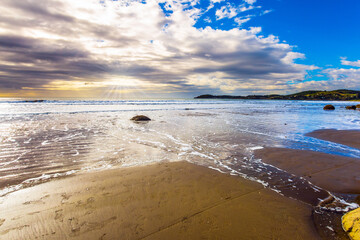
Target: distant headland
(336, 95)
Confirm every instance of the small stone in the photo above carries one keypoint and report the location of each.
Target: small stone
(34, 101)
(140, 118)
(353, 107)
(329, 107)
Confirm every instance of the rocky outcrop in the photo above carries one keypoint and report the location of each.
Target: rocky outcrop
(329, 107)
(140, 118)
(351, 224)
(358, 106)
(353, 107)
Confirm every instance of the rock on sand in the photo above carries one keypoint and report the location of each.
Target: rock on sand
(353, 107)
(329, 107)
(351, 224)
(140, 118)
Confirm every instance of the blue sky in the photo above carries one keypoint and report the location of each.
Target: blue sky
(182, 48)
(323, 30)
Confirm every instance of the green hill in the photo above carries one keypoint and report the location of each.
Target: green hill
(341, 94)
(336, 95)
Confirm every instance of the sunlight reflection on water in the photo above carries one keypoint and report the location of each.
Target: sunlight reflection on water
(40, 140)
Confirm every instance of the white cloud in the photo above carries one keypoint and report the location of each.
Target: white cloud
(230, 10)
(250, 1)
(122, 41)
(227, 11)
(207, 19)
(344, 78)
(335, 78)
(240, 21)
(345, 62)
(266, 12)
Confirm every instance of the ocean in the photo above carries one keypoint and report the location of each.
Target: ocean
(40, 141)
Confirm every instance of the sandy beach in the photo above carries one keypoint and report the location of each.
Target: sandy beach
(331, 172)
(162, 201)
(98, 175)
(334, 173)
(346, 137)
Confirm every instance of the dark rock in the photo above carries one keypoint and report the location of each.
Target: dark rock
(329, 107)
(35, 100)
(141, 118)
(358, 106)
(353, 107)
(357, 199)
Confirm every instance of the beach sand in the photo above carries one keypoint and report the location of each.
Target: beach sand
(346, 137)
(331, 172)
(162, 201)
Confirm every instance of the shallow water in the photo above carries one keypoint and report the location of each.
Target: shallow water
(55, 138)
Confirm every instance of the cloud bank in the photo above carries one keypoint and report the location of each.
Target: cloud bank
(150, 46)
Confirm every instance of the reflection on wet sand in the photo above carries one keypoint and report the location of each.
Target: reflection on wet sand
(77, 138)
(162, 201)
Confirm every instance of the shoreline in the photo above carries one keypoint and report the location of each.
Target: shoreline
(334, 173)
(331, 172)
(349, 138)
(169, 200)
(71, 206)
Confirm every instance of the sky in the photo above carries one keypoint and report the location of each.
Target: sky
(176, 49)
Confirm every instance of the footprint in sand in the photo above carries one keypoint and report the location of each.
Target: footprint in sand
(74, 225)
(34, 202)
(78, 227)
(87, 204)
(33, 213)
(65, 196)
(59, 215)
(44, 197)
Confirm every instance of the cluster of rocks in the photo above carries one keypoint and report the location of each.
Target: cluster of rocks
(352, 107)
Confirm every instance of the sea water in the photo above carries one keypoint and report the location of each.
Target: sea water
(56, 138)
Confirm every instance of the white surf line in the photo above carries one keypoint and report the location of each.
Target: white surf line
(317, 189)
(15, 160)
(29, 182)
(317, 142)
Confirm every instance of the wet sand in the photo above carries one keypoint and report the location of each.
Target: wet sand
(334, 173)
(346, 137)
(161, 201)
(331, 172)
